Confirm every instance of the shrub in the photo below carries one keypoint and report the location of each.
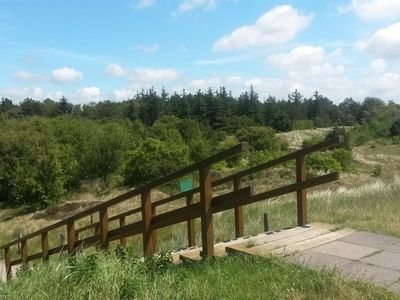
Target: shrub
(303, 124)
(377, 171)
(260, 138)
(154, 159)
(395, 129)
(323, 162)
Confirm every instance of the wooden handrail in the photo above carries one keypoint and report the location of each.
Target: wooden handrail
(151, 221)
(239, 148)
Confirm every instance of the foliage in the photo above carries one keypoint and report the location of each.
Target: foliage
(303, 124)
(230, 277)
(395, 128)
(259, 138)
(323, 162)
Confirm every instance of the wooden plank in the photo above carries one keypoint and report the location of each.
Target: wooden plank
(190, 224)
(318, 147)
(122, 224)
(71, 236)
(314, 242)
(149, 235)
(301, 193)
(24, 252)
(231, 203)
(207, 235)
(128, 230)
(103, 217)
(7, 262)
(239, 227)
(45, 245)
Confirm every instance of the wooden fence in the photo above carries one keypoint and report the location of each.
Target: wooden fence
(151, 221)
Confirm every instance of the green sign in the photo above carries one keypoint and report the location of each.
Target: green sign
(186, 184)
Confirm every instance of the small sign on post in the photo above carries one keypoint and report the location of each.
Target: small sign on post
(185, 185)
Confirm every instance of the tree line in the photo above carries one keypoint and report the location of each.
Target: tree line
(51, 148)
(215, 108)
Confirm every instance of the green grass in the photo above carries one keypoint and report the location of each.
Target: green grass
(109, 276)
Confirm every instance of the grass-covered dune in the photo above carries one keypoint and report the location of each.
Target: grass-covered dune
(121, 276)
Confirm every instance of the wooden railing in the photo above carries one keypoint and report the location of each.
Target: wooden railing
(151, 221)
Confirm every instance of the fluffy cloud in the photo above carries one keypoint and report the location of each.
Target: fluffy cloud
(275, 27)
(23, 92)
(144, 3)
(300, 57)
(116, 70)
(372, 9)
(65, 75)
(147, 48)
(195, 4)
(124, 94)
(89, 93)
(153, 75)
(26, 76)
(384, 43)
(377, 66)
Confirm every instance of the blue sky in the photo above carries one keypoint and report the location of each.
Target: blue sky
(94, 50)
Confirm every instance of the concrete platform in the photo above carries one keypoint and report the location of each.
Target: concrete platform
(365, 256)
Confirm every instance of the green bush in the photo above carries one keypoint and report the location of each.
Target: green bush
(154, 159)
(303, 124)
(260, 138)
(323, 162)
(395, 128)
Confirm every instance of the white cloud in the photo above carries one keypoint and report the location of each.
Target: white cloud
(385, 42)
(116, 70)
(143, 75)
(372, 9)
(23, 92)
(26, 76)
(144, 3)
(89, 93)
(147, 48)
(124, 94)
(65, 75)
(300, 57)
(56, 95)
(275, 27)
(377, 66)
(190, 5)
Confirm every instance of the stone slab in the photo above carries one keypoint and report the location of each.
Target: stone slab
(345, 250)
(374, 240)
(318, 260)
(369, 273)
(384, 259)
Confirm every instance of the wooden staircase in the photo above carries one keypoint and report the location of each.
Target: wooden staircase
(279, 243)
(120, 226)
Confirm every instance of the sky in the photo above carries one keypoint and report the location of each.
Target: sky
(94, 50)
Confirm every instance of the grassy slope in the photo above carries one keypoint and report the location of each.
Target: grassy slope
(359, 201)
(239, 277)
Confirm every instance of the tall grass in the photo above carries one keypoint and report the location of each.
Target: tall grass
(121, 276)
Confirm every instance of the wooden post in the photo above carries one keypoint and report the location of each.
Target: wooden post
(190, 224)
(302, 193)
(149, 235)
(24, 252)
(45, 245)
(7, 262)
(121, 224)
(239, 227)
(266, 223)
(207, 236)
(97, 232)
(71, 236)
(103, 217)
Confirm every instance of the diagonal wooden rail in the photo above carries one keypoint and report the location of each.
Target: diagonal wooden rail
(151, 221)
